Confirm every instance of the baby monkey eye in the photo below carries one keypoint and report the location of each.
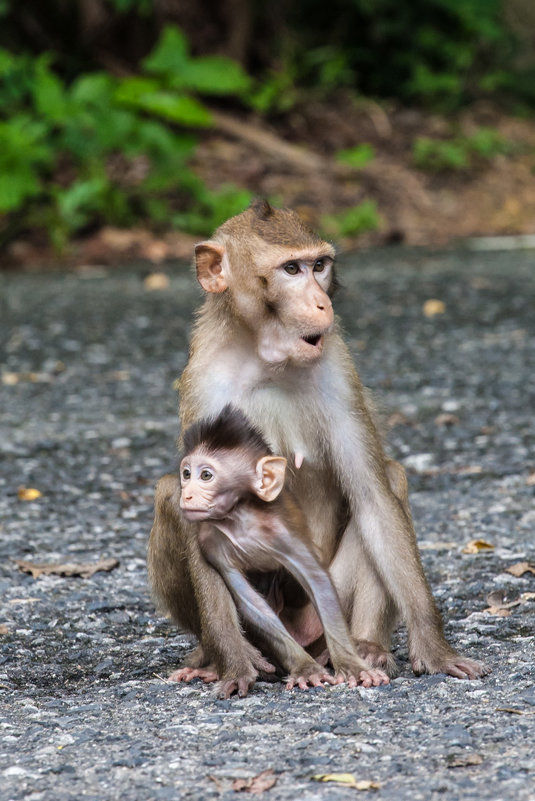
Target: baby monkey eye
(206, 475)
(186, 473)
(292, 268)
(319, 266)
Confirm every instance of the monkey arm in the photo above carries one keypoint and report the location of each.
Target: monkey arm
(299, 559)
(257, 612)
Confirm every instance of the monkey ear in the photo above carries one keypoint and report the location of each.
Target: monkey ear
(270, 472)
(209, 264)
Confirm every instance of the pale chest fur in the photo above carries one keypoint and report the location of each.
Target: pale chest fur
(299, 411)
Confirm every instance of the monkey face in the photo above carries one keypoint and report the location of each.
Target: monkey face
(279, 277)
(211, 486)
(297, 310)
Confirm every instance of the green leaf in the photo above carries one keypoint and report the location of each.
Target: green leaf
(23, 144)
(15, 188)
(92, 89)
(358, 156)
(212, 75)
(170, 54)
(80, 200)
(160, 141)
(437, 154)
(227, 202)
(176, 108)
(49, 93)
(130, 90)
(7, 62)
(353, 222)
(487, 143)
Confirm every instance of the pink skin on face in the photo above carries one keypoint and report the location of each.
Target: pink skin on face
(205, 494)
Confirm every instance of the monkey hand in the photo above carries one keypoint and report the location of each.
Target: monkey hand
(453, 664)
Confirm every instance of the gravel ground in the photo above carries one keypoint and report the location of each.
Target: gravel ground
(88, 417)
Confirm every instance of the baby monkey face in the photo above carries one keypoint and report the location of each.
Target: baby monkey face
(212, 484)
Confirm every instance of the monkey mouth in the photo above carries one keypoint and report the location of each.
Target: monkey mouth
(313, 339)
(196, 514)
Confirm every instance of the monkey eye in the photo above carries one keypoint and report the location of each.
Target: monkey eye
(319, 266)
(186, 474)
(292, 268)
(206, 475)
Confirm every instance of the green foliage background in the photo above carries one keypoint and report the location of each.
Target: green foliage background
(83, 143)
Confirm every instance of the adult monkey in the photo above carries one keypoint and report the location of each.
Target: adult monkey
(266, 341)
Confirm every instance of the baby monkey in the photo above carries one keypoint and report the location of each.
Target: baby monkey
(254, 534)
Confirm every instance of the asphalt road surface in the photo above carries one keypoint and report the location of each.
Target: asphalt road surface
(88, 418)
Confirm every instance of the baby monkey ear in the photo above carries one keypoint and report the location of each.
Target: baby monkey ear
(270, 472)
(209, 265)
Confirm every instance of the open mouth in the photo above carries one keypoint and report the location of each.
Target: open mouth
(312, 339)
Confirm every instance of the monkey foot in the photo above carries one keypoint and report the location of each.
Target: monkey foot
(376, 656)
(316, 679)
(206, 674)
(373, 678)
(370, 677)
(262, 664)
(240, 686)
(454, 665)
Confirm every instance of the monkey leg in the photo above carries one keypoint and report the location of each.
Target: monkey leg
(384, 526)
(374, 615)
(369, 610)
(194, 594)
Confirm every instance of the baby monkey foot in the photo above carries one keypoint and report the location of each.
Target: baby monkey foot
(372, 678)
(366, 677)
(240, 685)
(314, 678)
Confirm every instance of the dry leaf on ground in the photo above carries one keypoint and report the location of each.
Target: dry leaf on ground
(500, 602)
(464, 760)
(12, 379)
(258, 784)
(446, 419)
(476, 546)
(28, 494)
(116, 375)
(432, 307)
(67, 569)
(4, 629)
(439, 545)
(530, 480)
(156, 281)
(348, 780)
(498, 611)
(510, 710)
(503, 599)
(520, 568)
